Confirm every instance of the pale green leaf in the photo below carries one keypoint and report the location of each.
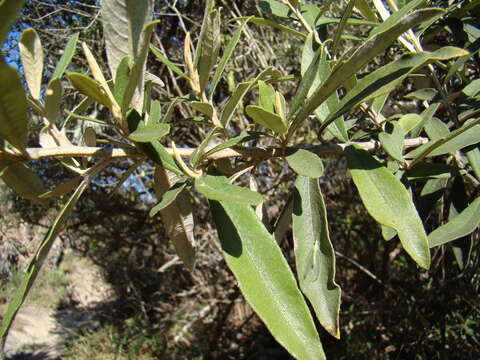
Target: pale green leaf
(389, 203)
(53, 98)
(89, 87)
(392, 140)
(210, 47)
(265, 279)
(148, 133)
(177, 218)
(265, 22)
(66, 56)
(169, 196)
(121, 79)
(219, 188)
(314, 254)
(304, 162)
(461, 225)
(243, 137)
(164, 60)
(31, 54)
(422, 94)
(234, 101)
(266, 118)
(266, 96)
(408, 122)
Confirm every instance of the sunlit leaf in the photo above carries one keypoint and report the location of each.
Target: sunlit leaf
(66, 56)
(266, 118)
(148, 133)
(264, 275)
(219, 188)
(389, 203)
(392, 140)
(304, 162)
(89, 87)
(53, 98)
(31, 54)
(314, 254)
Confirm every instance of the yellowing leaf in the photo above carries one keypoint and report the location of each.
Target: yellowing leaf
(31, 54)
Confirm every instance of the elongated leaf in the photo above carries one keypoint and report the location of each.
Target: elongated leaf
(265, 22)
(342, 25)
(436, 128)
(265, 279)
(123, 24)
(53, 97)
(233, 102)
(31, 54)
(304, 162)
(13, 107)
(89, 87)
(62, 189)
(367, 51)
(24, 181)
(148, 133)
(386, 78)
(396, 17)
(422, 94)
(134, 90)
(177, 218)
(473, 157)
(169, 196)
(389, 203)
(243, 137)
(164, 60)
(276, 8)
(154, 150)
(42, 252)
(314, 254)
(266, 118)
(219, 188)
(9, 10)
(203, 107)
(210, 47)
(408, 122)
(461, 225)
(392, 140)
(121, 79)
(284, 221)
(227, 54)
(66, 56)
(266, 96)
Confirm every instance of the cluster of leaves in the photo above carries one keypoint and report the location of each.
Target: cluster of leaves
(444, 160)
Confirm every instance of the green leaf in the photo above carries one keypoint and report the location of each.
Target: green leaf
(461, 225)
(62, 189)
(39, 257)
(367, 51)
(276, 8)
(155, 113)
(473, 157)
(121, 79)
(89, 87)
(66, 56)
(177, 218)
(265, 22)
(243, 137)
(408, 122)
(423, 170)
(314, 254)
(9, 10)
(134, 91)
(342, 25)
(31, 54)
(233, 102)
(219, 188)
(304, 162)
(164, 60)
(266, 96)
(13, 107)
(389, 203)
(265, 279)
(53, 98)
(148, 133)
(422, 94)
(203, 107)
(123, 25)
(24, 181)
(392, 140)
(386, 78)
(227, 54)
(210, 47)
(426, 115)
(266, 118)
(169, 196)
(154, 150)
(396, 17)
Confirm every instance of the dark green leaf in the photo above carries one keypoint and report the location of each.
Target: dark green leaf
(9, 10)
(219, 188)
(13, 107)
(24, 181)
(314, 254)
(265, 279)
